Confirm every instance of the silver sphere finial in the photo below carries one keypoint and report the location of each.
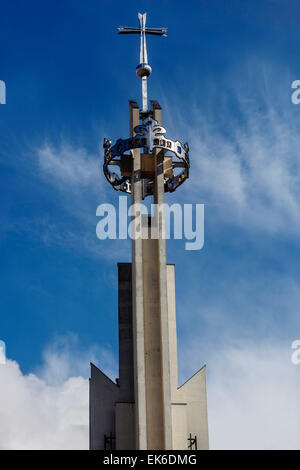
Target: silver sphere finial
(143, 70)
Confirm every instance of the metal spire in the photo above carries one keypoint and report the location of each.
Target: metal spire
(143, 70)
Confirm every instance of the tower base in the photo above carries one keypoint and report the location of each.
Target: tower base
(112, 404)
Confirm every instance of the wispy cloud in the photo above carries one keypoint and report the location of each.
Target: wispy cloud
(254, 175)
(68, 167)
(245, 155)
(65, 358)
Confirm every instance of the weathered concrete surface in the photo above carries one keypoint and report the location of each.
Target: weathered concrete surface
(103, 396)
(125, 433)
(194, 393)
(159, 199)
(126, 372)
(138, 294)
(153, 365)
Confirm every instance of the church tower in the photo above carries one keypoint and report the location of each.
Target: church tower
(145, 408)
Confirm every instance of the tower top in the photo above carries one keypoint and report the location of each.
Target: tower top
(143, 70)
(147, 137)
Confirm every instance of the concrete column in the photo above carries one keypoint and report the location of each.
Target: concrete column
(159, 199)
(172, 333)
(126, 367)
(137, 294)
(150, 312)
(153, 350)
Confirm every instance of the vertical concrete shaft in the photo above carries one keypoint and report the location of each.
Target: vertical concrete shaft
(137, 294)
(153, 350)
(126, 368)
(150, 311)
(159, 200)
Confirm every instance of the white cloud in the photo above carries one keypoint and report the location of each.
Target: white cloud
(252, 391)
(35, 415)
(49, 409)
(253, 398)
(253, 395)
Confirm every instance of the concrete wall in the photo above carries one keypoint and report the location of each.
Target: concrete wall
(126, 373)
(107, 414)
(172, 331)
(103, 396)
(125, 432)
(180, 426)
(193, 392)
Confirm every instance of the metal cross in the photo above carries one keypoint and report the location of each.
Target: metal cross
(143, 70)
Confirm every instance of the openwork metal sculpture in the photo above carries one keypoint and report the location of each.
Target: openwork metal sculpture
(149, 135)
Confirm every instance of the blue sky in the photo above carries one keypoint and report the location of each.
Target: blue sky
(223, 76)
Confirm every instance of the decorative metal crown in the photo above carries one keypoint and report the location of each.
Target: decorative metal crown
(149, 135)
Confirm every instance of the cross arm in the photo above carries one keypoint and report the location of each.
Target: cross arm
(128, 30)
(153, 31)
(156, 31)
